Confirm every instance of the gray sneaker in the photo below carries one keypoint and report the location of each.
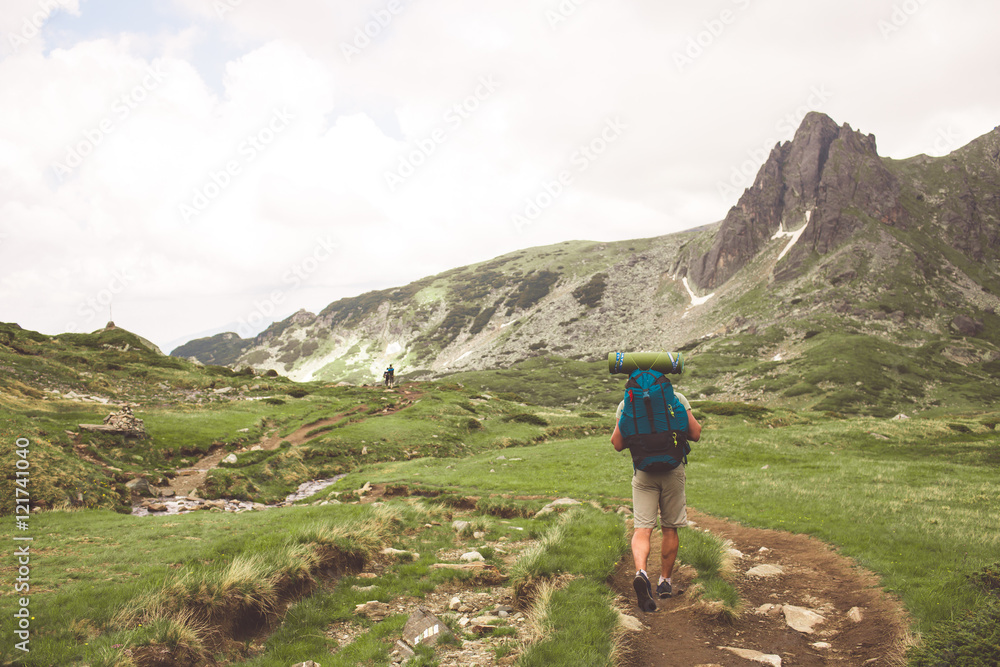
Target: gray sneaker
(644, 592)
(664, 590)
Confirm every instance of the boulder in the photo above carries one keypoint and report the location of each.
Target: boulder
(967, 326)
(139, 486)
(765, 571)
(630, 623)
(373, 610)
(561, 502)
(423, 627)
(754, 656)
(801, 619)
(768, 609)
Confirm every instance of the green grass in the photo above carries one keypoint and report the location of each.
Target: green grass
(574, 624)
(584, 542)
(917, 506)
(578, 624)
(913, 501)
(705, 553)
(136, 582)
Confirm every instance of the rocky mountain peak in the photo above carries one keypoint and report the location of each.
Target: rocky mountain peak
(806, 183)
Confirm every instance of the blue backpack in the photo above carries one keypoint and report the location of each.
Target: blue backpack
(654, 423)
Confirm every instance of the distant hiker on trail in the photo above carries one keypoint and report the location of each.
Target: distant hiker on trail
(655, 424)
(389, 375)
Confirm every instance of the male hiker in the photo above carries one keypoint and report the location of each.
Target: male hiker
(660, 491)
(389, 375)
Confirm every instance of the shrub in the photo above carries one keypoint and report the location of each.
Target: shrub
(970, 641)
(534, 288)
(592, 292)
(506, 508)
(482, 319)
(473, 424)
(298, 393)
(527, 418)
(987, 579)
(800, 389)
(734, 409)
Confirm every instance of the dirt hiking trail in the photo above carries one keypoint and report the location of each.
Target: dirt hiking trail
(193, 478)
(862, 624)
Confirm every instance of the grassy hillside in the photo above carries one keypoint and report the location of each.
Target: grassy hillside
(911, 500)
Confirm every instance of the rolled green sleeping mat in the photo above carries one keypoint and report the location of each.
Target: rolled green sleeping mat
(665, 362)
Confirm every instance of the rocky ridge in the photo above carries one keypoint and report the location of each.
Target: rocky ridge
(829, 229)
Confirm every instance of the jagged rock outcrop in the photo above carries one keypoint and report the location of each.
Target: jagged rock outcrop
(967, 200)
(824, 179)
(866, 238)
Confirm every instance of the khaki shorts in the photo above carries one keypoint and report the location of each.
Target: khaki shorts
(663, 492)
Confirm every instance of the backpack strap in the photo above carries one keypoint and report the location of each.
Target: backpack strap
(635, 420)
(649, 412)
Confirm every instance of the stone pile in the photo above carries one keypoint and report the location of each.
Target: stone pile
(124, 420)
(185, 504)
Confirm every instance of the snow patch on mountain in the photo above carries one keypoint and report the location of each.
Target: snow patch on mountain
(793, 236)
(695, 300)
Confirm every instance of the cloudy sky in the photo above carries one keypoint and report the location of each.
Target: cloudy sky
(198, 164)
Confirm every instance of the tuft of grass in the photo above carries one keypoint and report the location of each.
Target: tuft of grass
(971, 640)
(707, 554)
(506, 508)
(527, 418)
(584, 541)
(574, 625)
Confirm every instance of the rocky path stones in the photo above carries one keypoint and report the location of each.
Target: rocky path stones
(804, 604)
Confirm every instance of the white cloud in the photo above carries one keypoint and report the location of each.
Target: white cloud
(288, 144)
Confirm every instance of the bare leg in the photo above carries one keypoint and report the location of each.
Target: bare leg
(640, 547)
(668, 552)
